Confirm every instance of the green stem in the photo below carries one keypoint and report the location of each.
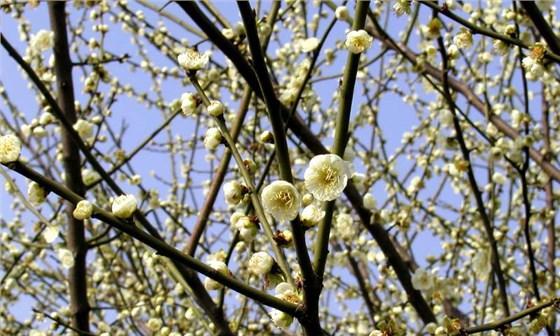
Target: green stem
(255, 200)
(341, 137)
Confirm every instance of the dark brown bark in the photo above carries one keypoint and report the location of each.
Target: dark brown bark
(77, 277)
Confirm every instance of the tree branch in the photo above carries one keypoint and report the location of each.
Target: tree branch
(496, 325)
(158, 245)
(77, 277)
(542, 25)
(496, 265)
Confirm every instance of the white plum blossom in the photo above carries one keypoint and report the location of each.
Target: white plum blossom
(282, 200)
(260, 263)
(432, 29)
(344, 226)
(498, 178)
(416, 183)
(482, 264)
(234, 192)
(46, 118)
(500, 47)
(84, 129)
(401, 7)
(369, 202)
(83, 210)
(10, 148)
(341, 13)
(124, 206)
(422, 280)
(154, 324)
(219, 266)
(216, 108)
(39, 132)
(234, 218)
(51, 233)
(463, 40)
(266, 137)
(533, 67)
(287, 292)
(66, 258)
(36, 193)
(327, 176)
(89, 177)
(228, 33)
(191, 59)
(247, 228)
(43, 40)
(358, 41)
(188, 103)
(533, 63)
(309, 44)
(281, 320)
(311, 215)
(212, 139)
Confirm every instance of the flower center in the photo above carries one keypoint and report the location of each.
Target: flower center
(330, 175)
(285, 198)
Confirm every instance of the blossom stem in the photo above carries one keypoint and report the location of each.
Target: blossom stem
(255, 200)
(218, 177)
(508, 320)
(341, 137)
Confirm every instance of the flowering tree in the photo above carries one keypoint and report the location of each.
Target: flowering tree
(385, 168)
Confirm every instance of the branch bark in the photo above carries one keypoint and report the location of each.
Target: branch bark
(542, 25)
(77, 277)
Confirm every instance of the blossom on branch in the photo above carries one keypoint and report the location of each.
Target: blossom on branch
(327, 176)
(10, 148)
(282, 200)
(358, 41)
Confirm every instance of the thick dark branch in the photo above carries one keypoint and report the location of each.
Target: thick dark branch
(161, 247)
(77, 277)
(311, 323)
(542, 25)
